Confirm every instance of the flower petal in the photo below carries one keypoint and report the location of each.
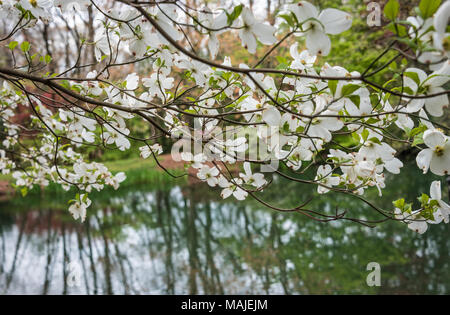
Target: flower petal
(247, 17)
(226, 193)
(418, 226)
(393, 166)
(435, 105)
(304, 10)
(410, 82)
(423, 159)
(440, 77)
(213, 45)
(441, 18)
(440, 164)
(433, 138)
(318, 42)
(239, 194)
(415, 105)
(331, 123)
(248, 40)
(335, 21)
(293, 50)
(435, 190)
(264, 33)
(271, 116)
(320, 132)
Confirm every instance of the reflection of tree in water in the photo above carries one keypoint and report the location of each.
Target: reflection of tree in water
(180, 240)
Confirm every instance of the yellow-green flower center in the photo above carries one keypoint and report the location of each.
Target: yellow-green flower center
(439, 150)
(446, 43)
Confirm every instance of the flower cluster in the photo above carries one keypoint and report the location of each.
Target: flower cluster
(225, 118)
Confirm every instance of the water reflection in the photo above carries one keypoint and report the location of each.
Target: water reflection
(183, 240)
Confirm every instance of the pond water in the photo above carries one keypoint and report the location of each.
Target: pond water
(181, 239)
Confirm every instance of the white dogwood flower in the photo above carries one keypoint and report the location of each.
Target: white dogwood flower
(437, 156)
(440, 22)
(117, 135)
(303, 60)
(325, 122)
(146, 150)
(197, 160)
(101, 46)
(132, 81)
(420, 28)
(115, 180)
(324, 177)
(72, 5)
(78, 208)
(443, 211)
(271, 115)
(417, 223)
(199, 71)
(39, 8)
(206, 17)
(255, 179)
(91, 87)
(316, 26)
(164, 15)
(428, 85)
(88, 136)
(157, 84)
(232, 189)
(209, 174)
(253, 29)
(9, 12)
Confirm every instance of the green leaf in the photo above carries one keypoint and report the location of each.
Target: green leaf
(12, 45)
(398, 29)
(356, 99)
(434, 203)
(393, 66)
(402, 31)
(332, 84)
(24, 191)
(65, 84)
(375, 140)
(424, 199)
(428, 7)
(400, 203)
(288, 19)
(235, 14)
(417, 140)
(349, 89)
(25, 46)
(281, 59)
(47, 58)
(365, 134)
(391, 9)
(407, 90)
(408, 208)
(417, 130)
(414, 76)
(355, 136)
